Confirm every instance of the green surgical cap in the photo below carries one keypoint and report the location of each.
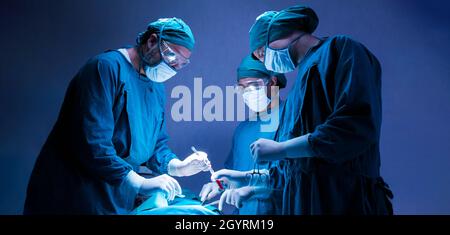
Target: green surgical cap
(174, 31)
(282, 24)
(258, 32)
(253, 68)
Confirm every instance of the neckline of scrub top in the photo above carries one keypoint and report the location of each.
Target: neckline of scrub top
(124, 53)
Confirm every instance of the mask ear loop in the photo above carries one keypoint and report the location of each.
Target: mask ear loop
(141, 54)
(159, 41)
(141, 62)
(159, 47)
(268, 31)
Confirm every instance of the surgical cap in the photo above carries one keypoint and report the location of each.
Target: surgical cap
(253, 68)
(258, 32)
(282, 24)
(174, 31)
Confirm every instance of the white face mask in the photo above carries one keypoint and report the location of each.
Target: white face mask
(279, 61)
(160, 73)
(256, 99)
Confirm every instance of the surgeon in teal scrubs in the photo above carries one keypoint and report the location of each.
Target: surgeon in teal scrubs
(260, 90)
(112, 122)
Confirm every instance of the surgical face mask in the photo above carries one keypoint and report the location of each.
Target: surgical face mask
(279, 60)
(256, 98)
(160, 73)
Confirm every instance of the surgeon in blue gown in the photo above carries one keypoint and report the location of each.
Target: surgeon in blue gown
(329, 132)
(111, 123)
(260, 90)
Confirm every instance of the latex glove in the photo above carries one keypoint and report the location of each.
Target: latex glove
(163, 183)
(236, 196)
(264, 150)
(209, 191)
(234, 179)
(191, 165)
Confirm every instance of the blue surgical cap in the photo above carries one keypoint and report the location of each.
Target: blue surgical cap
(174, 30)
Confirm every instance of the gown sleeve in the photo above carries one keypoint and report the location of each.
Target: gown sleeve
(355, 121)
(95, 87)
(162, 154)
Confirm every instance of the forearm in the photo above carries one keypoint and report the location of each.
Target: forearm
(134, 180)
(298, 147)
(261, 192)
(174, 167)
(98, 157)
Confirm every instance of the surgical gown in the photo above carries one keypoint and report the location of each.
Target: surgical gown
(111, 121)
(240, 157)
(337, 99)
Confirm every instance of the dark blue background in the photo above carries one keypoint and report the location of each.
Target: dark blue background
(44, 43)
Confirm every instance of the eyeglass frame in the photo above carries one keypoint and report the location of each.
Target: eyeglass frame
(265, 81)
(182, 63)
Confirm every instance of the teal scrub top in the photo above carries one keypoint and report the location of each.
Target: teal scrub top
(111, 121)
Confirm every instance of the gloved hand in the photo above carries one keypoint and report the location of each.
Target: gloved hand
(209, 190)
(163, 183)
(234, 179)
(192, 165)
(236, 196)
(264, 150)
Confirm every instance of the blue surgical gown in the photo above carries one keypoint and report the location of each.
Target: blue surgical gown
(337, 99)
(111, 121)
(240, 157)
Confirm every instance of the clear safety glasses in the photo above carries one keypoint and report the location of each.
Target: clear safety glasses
(253, 85)
(171, 57)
